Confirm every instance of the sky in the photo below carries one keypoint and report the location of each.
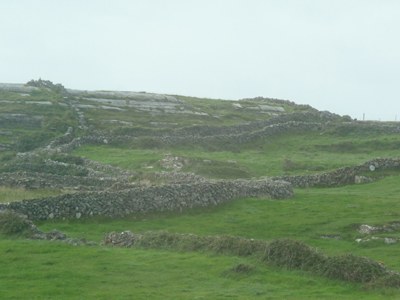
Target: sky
(342, 55)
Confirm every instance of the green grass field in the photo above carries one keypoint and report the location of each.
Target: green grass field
(52, 270)
(309, 150)
(32, 269)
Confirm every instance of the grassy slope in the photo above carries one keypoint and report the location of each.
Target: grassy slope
(44, 270)
(9, 195)
(333, 211)
(166, 275)
(262, 157)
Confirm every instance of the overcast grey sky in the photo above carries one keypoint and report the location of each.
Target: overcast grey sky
(341, 55)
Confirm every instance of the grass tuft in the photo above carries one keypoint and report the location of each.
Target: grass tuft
(13, 224)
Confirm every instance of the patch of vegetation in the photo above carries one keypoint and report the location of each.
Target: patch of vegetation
(43, 269)
(12, 224)
(68, 159)
(14, 194)
(239, 269)
(219, 170)
(342, 130)
(29, 142)
(283, 253)
(41, 168)
(146, 143)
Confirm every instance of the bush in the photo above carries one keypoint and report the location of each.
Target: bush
(34, 140)
(292, 254)
(289, 165)
(12, 223)
(281, 253)
(352, 268)
(388, 281)
(147, 143)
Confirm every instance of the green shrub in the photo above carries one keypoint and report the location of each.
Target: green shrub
(12, 223)
(352, 268)
(34, 140)
(147, 143)
(388, 281)
(292, 254)
(282, 253)
(289, 165)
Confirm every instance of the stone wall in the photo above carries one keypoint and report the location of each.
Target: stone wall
(277, 101)
(238, 134)
(35, 180)
(145, 200)
(341, 176)
(241, 138)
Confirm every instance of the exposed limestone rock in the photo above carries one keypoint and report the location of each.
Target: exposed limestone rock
(175, 162)
(271, 108)
(163, 124)
(366, 229)
(99, 107)
(124, 123)
(16, 88)
(125, 239)
(112, 102)
(122, 94)
(362, 179)
(8, 120)
(39, 102)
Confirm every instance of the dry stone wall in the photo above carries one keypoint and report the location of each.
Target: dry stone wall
(277, 101)
(341, 176)
(145, 200)
(35, 180)
(205, 135)
(101, 139)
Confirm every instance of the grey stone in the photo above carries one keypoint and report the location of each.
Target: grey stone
(271, 108)
(16, 88)
(39, 102)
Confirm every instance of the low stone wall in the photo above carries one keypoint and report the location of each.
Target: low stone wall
(341, 176)
(205, 140)
(145, 200)
(238, 134)
(34, 181)
(277, 101)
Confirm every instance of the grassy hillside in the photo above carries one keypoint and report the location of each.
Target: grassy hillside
(327, 219)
